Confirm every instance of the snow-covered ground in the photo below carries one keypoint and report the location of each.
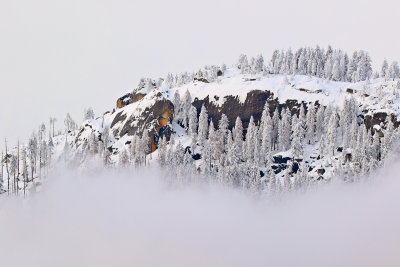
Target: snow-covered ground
(287, 87)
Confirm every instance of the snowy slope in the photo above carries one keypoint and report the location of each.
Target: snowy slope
(316, 89)
(375, 96)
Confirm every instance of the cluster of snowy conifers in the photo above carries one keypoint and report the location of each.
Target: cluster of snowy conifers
(236, 158)
(330, 64)
(338, 138)
(313, 135)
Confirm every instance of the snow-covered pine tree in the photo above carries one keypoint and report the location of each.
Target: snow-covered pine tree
(310, 124)
(88, 114)
(107, 158)
(376, 147)
(287, 183)
(255, 179)
(387, 139)
(177, 106)
(186, 106)
(266, 134)
(243, 64)
(302, 119)
(256, 145)
(319, 124)
(94, 144)
(393, 71)
(250, 139)
(193, 126)
(145, 145)
(203, 126)
(162, 151)
(123, 158)
(237, 134)
(297, 141)
(284, 130)
(223, 133)
(336, 72)
(384, 69)
(213, 144)
(258, 64)
(332, 134)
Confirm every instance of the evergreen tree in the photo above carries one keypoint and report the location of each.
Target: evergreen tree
(319, 124)
(215, 153)
(275, 124)
(203, 126)
(187, 109)
(393, 71)
(255, 179)
(297, 141)
(94, 144)
(177, 106)
(331, 134)
(237, 134)
(258, 64)
(223, 132)
(250, 139)
(162, 151)
(88, 114)
(145, 145)
(284, 130)
(243, 64)
(266, 135)
(384, 68)
(123, 158)
(193, 126)
(310, 124)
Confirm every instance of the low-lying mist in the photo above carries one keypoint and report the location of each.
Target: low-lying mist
(135, 218)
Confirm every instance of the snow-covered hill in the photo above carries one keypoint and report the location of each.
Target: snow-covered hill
(376, 99)
(290, 127)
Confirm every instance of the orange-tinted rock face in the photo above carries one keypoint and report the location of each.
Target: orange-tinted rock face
(129, 99)
(124, 100)
(137, 97)
(165, 117)
(156, 118)
(119, 103)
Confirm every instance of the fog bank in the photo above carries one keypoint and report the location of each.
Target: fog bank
(134, 218)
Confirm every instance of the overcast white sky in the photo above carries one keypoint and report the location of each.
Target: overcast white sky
(62, 56)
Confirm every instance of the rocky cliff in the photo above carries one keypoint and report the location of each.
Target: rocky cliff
(237, 95)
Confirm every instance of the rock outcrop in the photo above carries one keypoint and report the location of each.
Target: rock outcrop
(154, 112)
(252, 106)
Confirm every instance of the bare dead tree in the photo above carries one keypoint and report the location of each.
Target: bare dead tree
(52, 121)
(2, 169)
(25, 170)
(18, 173)
(8, 173)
